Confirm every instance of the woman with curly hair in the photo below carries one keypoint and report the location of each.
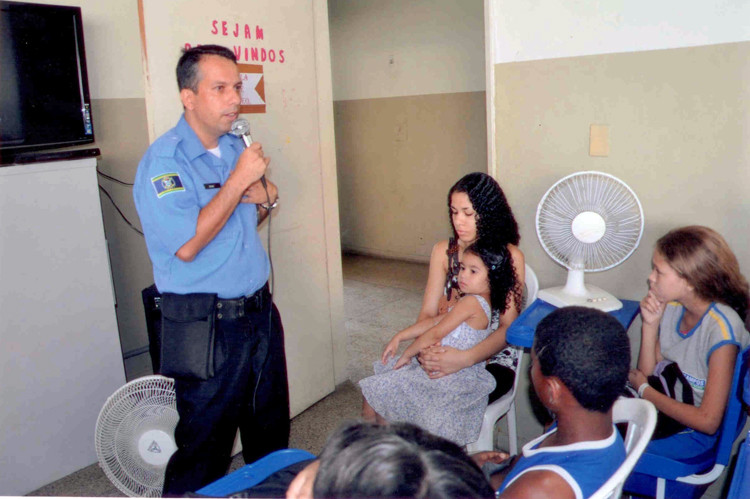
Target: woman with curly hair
(452, 406)
(479, 212)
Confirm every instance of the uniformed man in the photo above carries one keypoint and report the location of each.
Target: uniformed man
(199, 195)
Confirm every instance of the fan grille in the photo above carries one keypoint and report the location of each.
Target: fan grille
(595, 192)
(143, 405)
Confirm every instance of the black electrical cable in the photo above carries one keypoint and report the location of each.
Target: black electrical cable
(113, 179)
(271, 281)
(120, 212)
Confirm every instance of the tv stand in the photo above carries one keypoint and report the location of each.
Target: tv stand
(48, 156)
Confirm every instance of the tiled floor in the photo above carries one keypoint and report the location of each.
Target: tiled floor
(381, 297)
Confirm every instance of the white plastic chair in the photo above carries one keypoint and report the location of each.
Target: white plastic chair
(506, 404)
(641, 418)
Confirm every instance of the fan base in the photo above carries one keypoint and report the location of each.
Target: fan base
(594, 298)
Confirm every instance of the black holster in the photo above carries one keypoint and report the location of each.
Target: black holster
(188, 335)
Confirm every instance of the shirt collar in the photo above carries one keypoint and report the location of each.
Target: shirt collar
(229, 145)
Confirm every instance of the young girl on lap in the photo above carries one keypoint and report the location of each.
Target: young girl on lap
(693, 316)
(450, 406)
(479, 212)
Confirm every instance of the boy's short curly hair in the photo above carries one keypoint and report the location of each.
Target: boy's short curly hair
(588, 350)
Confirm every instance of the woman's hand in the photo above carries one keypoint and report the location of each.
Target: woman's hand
(652, 309)
(390, 350)
(439, 361)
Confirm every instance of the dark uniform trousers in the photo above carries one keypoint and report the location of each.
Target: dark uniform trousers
(249, 391)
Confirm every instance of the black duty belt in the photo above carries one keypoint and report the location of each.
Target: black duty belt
(235, 308)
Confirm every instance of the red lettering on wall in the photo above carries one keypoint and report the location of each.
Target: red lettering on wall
(281, 56)
(187, 46)
(248, 33)
(214, 27)
(224, 28)
(254, 53)
(258, 33)
(237, 52)
(272, 55)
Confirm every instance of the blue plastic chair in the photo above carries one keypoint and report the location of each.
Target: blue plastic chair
(740, 488)
(254, 473)
(662, 477)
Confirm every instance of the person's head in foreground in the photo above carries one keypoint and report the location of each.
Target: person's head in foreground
(396, 460)
(579, 367)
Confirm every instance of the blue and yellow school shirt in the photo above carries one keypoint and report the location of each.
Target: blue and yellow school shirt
(691, 350)
(176, 178)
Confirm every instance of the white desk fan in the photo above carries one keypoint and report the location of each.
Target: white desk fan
(588, 222)
(135, 435)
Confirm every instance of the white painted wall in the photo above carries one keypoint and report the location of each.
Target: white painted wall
(549, 29)
(393, 48)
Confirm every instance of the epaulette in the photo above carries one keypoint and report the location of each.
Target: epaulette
(166, 145)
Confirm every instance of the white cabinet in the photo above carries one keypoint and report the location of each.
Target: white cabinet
(60, 355)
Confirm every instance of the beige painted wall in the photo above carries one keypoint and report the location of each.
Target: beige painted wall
(397, 158)
(390, 48)
(673, 92)
(679, 131)
(408, 81)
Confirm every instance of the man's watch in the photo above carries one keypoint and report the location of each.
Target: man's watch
(273, 205)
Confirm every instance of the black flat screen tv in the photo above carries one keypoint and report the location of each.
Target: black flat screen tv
(44, 91)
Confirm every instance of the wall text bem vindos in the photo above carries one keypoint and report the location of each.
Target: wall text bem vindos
(244, 31)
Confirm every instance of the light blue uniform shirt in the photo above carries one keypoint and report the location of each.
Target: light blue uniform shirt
(176, 178)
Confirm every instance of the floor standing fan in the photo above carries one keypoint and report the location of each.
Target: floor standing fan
(588, 222)
(135, 435)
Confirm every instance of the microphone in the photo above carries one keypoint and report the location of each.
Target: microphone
(241, 128)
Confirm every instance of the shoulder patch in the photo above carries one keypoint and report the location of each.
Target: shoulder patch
(167, 184)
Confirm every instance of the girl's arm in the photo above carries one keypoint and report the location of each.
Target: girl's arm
(706, 418)
(407, 334)
(435, 281)
(464, 310)
(652, 311)
(440, 361)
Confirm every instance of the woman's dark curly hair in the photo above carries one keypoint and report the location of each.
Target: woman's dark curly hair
(496, 224)
(501, 274)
